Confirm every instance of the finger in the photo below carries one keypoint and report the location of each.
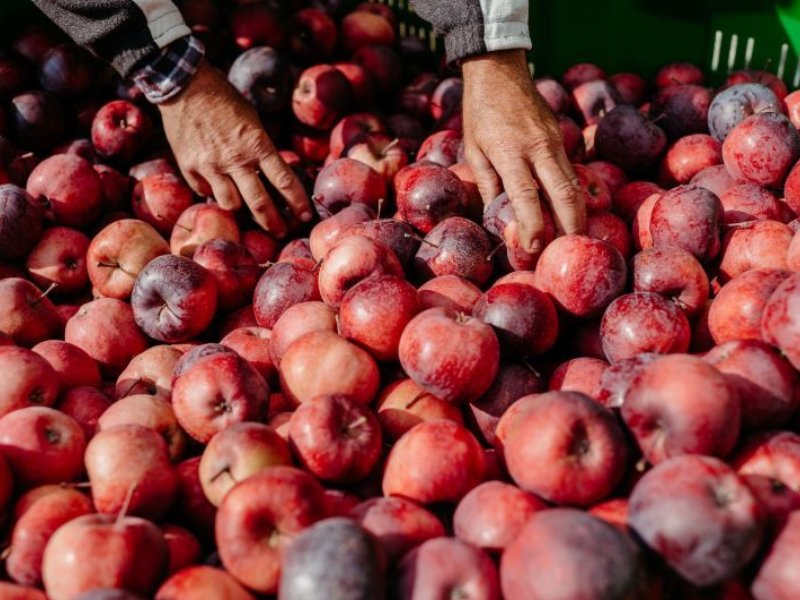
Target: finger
(259, 202)
(283, 178)
(560, 185)
(197, 182)
(486, 178)
(523, 193)
(225, 192)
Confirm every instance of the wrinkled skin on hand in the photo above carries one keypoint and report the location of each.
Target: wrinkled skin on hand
(513, 141)
(221, 148)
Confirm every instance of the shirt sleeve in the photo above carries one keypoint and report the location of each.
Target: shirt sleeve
(171, 70)
(125, 33)
(473, 27)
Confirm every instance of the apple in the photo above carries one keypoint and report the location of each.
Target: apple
(352, 260)
(455, 246)
(322, 94)
(183, 547)
(149, 373)
(237, 453)
(59, 257)
(374, 313)
(688, 156)
(631, 87)
(673, 273)
(772, 81)
(449, 291)
(37, 119)
(351, 129)
(345, 182)
(69, 188)
(383, 154)
(155, 166)
(718, 529)
(688, 217)
(630, 196)
(383, 63)
(524, 318)
(682, 109)
(396, 235)
(660, 326)
(253, 344)
(571, 538)
(365, 28)
(27, 315)
(715, 179)
(583, 374)
(42, 445)
(120, 130)
(85, 404)
(735, 103)
(361, 81)
(491, 515)
(680, 404)
(312, 34)
(129, 469)
(21, 219)
(403, 404)
(216, 392)
(104, 551)
(298, 253)
(119, 252)
(256, 25)
(33, 529)
(322, 363)
(335, 438)
(756, 245)
(581, 275)
(441, 148)
(260, 517)
(201, 581)
(200, 223)
(191, 354)
(762, 149)
(679, 73)
(626, 138)
(554, 94)
(160, 199)
(581, 73)
(594, 99)
(191, 507)
(233, 269)
(749, 202)
(264, 77)
(443, 566)
(280, 287)
(500, 220)
(435, 461)
(438, 343)
(327, 232)
(578, 143)
(295, 322)
(147, 411)
(426, 194)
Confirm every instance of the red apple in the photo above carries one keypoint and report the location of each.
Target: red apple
(322, 363)
(687, 217)
(216, 392)
(452, 356)
(631, 87)
(374, 313)
(129, 469)
(427, 194)
(403, 404)
(449, 291)
(455, 246)
(149, 373)
(630, 196)
(85, 405)
(762, 149)
(160, 199)
(260, 517)
(435, 461)
(688, 156)
(335, 438)
(345, 182)
(680, 404)
(120, 130)
(233, 268)
(199, 582)
(321, 95)
(200, 223)
(383, 154)
(674, 273)
(779, 322)
(755, 245)
(27, 316)
(73, 366)
(236, 453)
(351, 129)
(582, 275)
(118, 253)
(59, 258)
(69, 188)
(698, 516)
(312, 34)
(749, 202)
(104, 551)
(280, 287)
(583, 374)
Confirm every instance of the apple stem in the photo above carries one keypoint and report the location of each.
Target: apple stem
(494, 251)
(658, 118)
(359, 421)
(416, 399)
(462, 317)
(681, 304)
(421, 240)
(84, 485)
(101, 263)
(266, 265)
(125, 505)
(183, 227)
(338, 324)
(740, 225)
(44, 294)
(380, 209)
(317, 265)
(531, 368)
(221, 472)
(391, 144)
(133, 385)
(641, 466)
(6, 552)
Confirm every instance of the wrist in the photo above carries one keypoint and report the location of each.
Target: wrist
(168, 74)
(495, 62)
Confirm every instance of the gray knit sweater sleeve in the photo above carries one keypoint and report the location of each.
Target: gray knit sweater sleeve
(122, 32)
(473, 27)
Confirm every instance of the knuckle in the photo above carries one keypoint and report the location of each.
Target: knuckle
(283, 179)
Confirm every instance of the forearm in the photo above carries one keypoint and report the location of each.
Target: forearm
(473, 27)
(124, 33)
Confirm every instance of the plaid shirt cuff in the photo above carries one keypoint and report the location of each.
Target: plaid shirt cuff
(170, 72)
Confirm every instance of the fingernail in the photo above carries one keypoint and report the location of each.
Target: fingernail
(306, 216)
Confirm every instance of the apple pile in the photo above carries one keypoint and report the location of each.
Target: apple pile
(396, 400)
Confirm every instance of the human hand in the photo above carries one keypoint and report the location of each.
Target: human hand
(513, 141)
(221, 148)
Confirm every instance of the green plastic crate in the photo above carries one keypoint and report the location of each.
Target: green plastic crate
(642, 35)
(624, 35)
